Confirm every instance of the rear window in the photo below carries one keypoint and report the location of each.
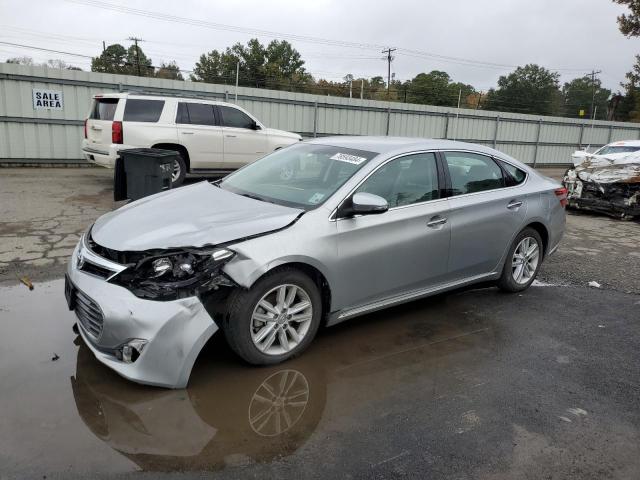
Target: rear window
(103, 108)
(142, 110)
(517, 175)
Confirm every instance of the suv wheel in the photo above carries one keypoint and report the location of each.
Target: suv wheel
(179, 172)
(276, 319)
(523, 261)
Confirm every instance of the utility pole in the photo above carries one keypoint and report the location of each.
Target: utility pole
(592, 111)
(104, 46)
(388, 51)
(361, 89)
(136, 40)
(237, 75)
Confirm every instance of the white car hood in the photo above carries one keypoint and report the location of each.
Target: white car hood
(272, 132)
(193, 216)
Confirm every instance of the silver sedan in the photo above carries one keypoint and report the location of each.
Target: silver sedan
(316, 233)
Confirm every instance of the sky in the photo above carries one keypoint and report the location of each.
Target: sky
(569, 36)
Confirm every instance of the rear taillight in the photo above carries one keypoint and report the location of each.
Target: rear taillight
(85, 127)
(116, 132)
(561, 193)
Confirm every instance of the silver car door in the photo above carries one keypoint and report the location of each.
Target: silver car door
(406, 247)
(484, 214)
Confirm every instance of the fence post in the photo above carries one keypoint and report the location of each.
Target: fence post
(495, 134)
(226, 96)
(581, 137)
(610, 133)
(446, 125)
(535, 151)
(315, 119)
(388, 118)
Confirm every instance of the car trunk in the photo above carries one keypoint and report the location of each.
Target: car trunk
(100, 121)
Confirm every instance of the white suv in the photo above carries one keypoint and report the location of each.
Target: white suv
(211, 137)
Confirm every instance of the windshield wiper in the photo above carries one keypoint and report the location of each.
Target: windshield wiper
(255, 197)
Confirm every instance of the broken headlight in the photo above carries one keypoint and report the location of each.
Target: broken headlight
(168, 275)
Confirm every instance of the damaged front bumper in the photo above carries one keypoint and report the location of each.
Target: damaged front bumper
(618, 199)
(165, 337)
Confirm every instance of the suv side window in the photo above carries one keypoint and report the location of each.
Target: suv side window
(405, 181)
(142, 110)
(232, 117)
(195, 113)
(515, 177)
(471, 172)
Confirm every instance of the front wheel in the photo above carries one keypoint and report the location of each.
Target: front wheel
(523, 261)
(276, 319)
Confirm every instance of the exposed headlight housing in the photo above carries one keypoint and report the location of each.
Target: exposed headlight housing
(172, 274)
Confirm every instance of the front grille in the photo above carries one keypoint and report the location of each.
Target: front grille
(89, 314)
(96, 270)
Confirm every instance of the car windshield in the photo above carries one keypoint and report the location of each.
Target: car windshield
(302, 175)
(609, 149)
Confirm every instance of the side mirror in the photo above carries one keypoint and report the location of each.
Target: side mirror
(255, 126)
(363, 203)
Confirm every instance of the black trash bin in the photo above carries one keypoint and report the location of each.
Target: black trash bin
(141, 172)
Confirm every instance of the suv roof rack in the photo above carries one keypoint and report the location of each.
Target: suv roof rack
(173, 93)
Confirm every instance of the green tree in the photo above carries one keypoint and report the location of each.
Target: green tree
(578, 94)
(117, 59)
(630, 24)
(437, 88)
(113, 59)
(276, 66)
(21, 60)
(530, 89)
(170, 71)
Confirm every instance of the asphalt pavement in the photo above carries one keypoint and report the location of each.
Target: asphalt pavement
(475, 384)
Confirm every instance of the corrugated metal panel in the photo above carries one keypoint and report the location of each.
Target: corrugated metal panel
(26, 133)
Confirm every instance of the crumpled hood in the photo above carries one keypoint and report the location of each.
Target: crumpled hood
(613, 173)
(193, 216)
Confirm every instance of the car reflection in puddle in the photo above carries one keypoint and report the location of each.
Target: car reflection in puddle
(233, 413)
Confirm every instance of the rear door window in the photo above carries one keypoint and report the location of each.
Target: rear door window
(195, 114)
(232, 117)
(516, 176)
(471, 173)
(103, 108)
(142, 110)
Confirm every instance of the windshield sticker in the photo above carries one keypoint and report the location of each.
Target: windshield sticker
(316, 198)
(345, 157)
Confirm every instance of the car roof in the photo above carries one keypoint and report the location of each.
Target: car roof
(393, 145)
(154, 96)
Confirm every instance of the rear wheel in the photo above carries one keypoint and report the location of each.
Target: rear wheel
(179, 172)
(276, 319)
(523, 261)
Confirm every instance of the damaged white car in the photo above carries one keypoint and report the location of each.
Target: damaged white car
(607, 181)
(316, 233)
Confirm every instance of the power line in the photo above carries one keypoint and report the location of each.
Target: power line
(296, 37)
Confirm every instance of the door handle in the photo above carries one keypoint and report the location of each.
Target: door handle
(95, 127)
(187, 133)
(514, 204)
(231, 136)
(436, 221)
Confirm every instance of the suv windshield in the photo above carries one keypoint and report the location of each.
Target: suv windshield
(302, 175)
(609, 149)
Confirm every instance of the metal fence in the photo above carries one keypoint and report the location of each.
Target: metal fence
(29, 134)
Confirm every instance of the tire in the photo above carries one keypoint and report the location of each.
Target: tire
(508, 281)
(177, 180)
(241, 329)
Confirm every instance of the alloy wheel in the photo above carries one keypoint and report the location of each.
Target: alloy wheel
(281, 319)
(175, 175)
(525, 260)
